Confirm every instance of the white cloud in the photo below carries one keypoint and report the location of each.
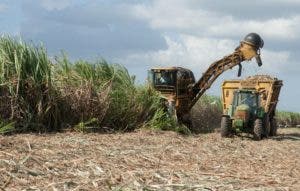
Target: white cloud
(277, 61)
(198, 53)
(51, 5)
(284, 28)
(187, 51)
(163, 14)
(178, 15)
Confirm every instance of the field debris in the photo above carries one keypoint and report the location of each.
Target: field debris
(149, 160)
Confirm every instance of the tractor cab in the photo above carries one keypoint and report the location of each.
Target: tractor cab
(245, 97)
(244, 107)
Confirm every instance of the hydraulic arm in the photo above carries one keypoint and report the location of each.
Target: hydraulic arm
(249, 48)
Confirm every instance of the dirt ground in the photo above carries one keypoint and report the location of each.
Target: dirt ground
(149, 160)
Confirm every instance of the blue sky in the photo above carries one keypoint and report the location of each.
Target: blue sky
(141, 34)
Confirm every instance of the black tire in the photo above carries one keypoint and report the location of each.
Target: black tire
(273, 130)
(189, 121)
(266, 126)
(225, 126)
(258, 129)
(186, 120)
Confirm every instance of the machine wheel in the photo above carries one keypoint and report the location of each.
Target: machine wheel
(225, 126)
(266, 126)
(273, 131)
(186, 120)
(258, 129)
(189, 121)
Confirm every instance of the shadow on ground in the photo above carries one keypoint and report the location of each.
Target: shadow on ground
(287, 136)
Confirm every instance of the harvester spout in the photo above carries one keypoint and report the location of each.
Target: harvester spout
(240, 70)
(250, 47)
(258, 60)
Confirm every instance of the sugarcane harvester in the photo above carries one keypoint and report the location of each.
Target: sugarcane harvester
(179, 89)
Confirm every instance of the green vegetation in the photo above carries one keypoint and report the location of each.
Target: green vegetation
(37, 94)
(6, 128)
(27, 96)
(288, 118)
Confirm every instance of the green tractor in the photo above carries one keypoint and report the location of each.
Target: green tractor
(249, 106)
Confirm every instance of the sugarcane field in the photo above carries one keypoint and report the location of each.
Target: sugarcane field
(149, 95)
(149, 160)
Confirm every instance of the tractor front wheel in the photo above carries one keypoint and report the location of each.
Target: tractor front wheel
(225, 126)
(258, 129)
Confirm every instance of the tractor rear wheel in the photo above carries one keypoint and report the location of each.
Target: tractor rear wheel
(273, 131)
(258, 129)
(225, 126)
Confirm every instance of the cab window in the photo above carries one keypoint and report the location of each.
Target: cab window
(164, 78)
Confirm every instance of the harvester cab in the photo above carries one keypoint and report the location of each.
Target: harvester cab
(173, 83)
(179, 88)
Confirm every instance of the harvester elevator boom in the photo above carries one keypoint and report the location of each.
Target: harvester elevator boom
(249, 48)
